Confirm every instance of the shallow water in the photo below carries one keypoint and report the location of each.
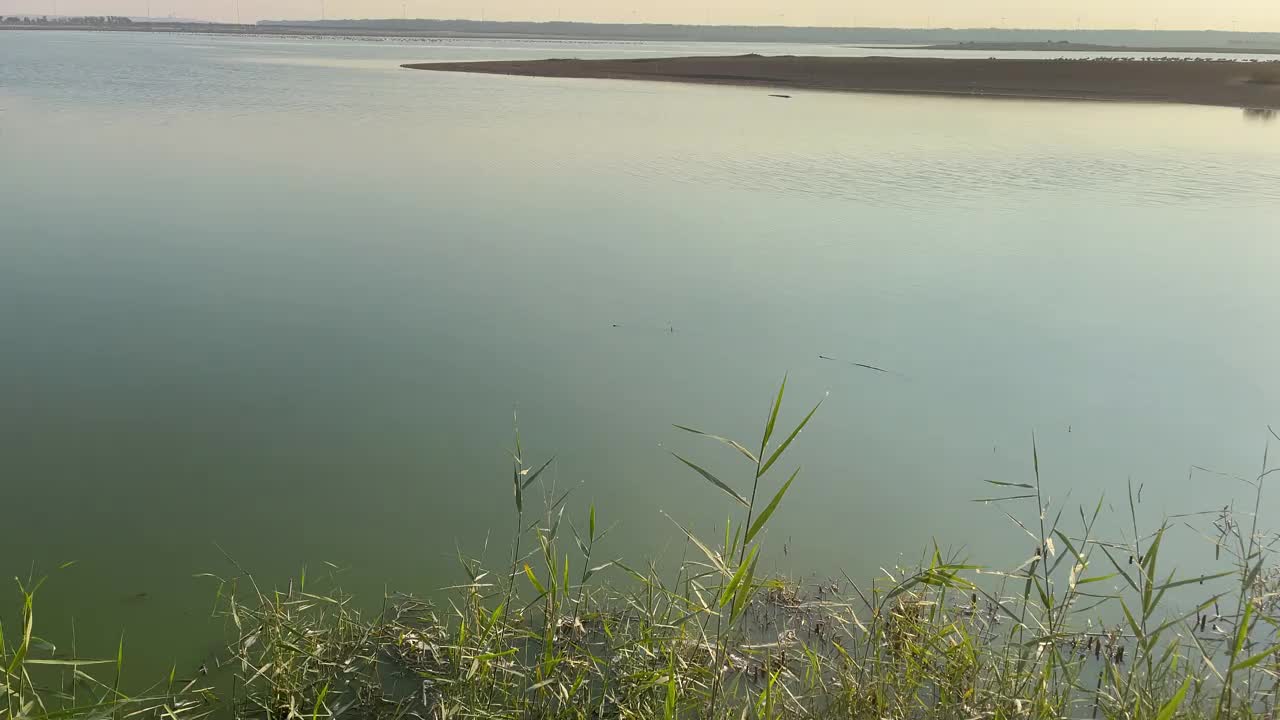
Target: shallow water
(279, 298)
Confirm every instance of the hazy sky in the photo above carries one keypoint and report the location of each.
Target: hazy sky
(1165, 14)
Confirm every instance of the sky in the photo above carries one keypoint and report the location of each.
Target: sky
(1244, 15)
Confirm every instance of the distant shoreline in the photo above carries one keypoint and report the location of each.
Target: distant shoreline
(1216, 83)
(1070, 47)
(971, 39)
(312, 32)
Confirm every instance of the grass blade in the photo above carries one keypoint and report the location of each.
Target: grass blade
(527, 483)
(773, 417)
(1250, 662)
(744, 589)
(315, 711)
(1171, 707)
(1193, 581)
(785, 443)
(737, 577)
(528, 571)
(714, 481)
(1024, 486)
(731, 443)
(758, 525)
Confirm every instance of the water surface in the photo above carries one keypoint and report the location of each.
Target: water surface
(279, 299)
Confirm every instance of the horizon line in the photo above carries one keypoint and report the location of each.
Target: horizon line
(765, 27)
(737, 26)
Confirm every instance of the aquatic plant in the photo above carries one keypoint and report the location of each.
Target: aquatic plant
(1085, 627)
(38, 680)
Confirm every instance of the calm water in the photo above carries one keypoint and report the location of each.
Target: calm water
(281, 297)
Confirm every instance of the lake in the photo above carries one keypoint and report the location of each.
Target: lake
(277, 300)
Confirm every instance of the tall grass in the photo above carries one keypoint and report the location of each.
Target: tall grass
(39, 680)
(1086, 626)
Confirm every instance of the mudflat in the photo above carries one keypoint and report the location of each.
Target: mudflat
(1202, 82)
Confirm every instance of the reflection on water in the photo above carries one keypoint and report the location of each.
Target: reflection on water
(973, 180)
(1260, 114)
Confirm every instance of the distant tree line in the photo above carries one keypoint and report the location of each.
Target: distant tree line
(791, 34)
(83, 20)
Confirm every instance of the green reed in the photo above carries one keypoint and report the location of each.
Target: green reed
(1085, 627)
(39, 680)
